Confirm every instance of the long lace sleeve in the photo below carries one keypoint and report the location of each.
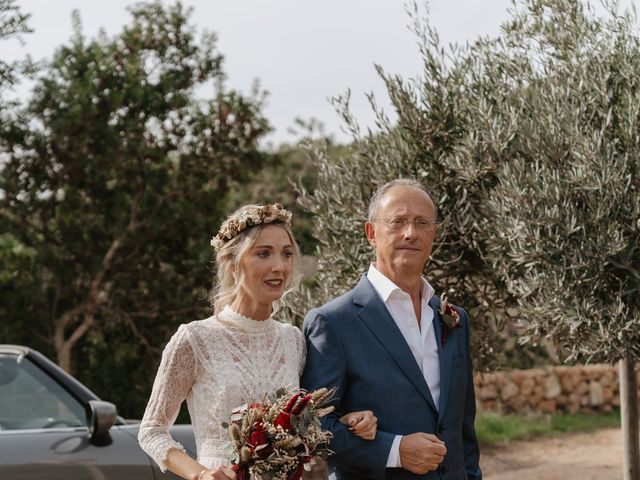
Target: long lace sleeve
(174, 379)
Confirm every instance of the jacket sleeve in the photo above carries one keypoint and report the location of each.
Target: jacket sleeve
(469, 439)
(327, 366)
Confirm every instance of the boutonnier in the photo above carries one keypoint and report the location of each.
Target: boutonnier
(450, 319)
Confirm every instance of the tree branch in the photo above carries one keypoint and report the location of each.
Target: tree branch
(98, 294)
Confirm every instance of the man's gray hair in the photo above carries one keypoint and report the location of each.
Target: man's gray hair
(398, 182)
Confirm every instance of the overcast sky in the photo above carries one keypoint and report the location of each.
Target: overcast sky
(302, 51)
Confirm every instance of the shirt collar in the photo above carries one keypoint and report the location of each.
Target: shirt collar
(386, 287)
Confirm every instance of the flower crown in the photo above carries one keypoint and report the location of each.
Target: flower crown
(250, 216)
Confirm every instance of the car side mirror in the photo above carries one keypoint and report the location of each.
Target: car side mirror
(100, 418)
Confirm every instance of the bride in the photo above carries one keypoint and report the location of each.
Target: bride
(239, 354)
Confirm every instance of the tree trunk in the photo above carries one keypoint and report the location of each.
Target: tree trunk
(98, 294)
(629, 416)
(63, 344)
(64, 358)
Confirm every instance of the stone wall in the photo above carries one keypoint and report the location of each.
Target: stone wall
(591, 388)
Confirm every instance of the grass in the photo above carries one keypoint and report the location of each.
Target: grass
(493, 428)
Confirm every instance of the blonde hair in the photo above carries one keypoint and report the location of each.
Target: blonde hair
(229, 276)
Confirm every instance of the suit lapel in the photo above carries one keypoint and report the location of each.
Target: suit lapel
(444, 356)
(377, 318)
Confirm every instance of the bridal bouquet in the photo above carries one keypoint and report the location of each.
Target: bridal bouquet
(278, 438)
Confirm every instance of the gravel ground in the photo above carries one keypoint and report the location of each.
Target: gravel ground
(578, 456)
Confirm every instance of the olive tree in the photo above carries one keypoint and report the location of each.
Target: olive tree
(529, 141)
(435, 122)
(566, 210)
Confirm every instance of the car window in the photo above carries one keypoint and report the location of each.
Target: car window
(29, 398)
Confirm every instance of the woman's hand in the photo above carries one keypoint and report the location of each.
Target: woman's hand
(364, 424)
(218, 473)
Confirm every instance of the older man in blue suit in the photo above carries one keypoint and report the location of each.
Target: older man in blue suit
(385, 347)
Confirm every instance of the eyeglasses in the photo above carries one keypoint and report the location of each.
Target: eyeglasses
(400, 224)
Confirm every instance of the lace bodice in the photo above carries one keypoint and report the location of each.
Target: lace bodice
(217, 364)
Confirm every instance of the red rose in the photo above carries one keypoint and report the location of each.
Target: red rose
(257, 437)
(284, 420)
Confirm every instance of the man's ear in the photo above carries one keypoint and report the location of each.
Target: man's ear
(370, 230)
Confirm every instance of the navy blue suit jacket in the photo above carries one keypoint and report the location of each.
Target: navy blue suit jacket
(354, 345)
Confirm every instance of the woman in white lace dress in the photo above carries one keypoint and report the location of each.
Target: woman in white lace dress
(236, 356)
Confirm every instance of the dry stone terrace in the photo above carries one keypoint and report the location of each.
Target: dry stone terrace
(562, 389)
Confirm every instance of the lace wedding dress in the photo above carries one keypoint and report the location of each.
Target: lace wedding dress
(217, 364)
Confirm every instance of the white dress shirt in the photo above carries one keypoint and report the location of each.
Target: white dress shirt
(421, 337)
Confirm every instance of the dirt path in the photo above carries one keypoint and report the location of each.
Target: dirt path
(579, 456)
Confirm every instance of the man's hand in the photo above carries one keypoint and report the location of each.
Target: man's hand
(421, 452)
